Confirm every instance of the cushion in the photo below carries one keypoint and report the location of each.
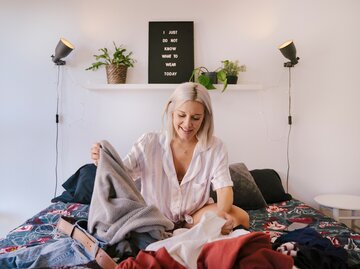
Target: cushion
(269, 183)
(79, 187)
(246, 193)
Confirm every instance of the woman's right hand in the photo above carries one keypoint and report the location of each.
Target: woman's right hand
(95, 153)
(229, 224)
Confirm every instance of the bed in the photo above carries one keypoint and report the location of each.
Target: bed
(279, 212)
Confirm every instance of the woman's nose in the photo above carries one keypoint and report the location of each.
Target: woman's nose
(187, 121)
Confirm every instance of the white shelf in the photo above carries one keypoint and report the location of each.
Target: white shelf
(160, 87)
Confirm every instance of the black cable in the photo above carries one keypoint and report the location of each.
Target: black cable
(288, 138)
(288, 161)
(57, 130)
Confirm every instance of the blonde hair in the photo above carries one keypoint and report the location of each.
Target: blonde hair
(191, 91)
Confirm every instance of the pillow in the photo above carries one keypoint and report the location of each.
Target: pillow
(79, 187)
(269, 183)
(246, 193)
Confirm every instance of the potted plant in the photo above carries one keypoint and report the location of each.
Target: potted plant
(203, 76)
(116, 65)
(232, 70)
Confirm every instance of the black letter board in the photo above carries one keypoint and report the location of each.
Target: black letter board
(171, 51)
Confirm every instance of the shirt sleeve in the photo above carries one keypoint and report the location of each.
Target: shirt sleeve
(221, 175)
(132, 160)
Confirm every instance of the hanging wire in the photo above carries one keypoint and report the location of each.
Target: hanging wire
(288, 138)
(57, 129)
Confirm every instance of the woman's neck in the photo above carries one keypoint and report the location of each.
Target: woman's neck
(184, 143)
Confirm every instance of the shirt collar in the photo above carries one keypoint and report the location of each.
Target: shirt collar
(165, 142)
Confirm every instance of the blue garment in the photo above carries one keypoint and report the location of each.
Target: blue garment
(70, 252)
(315, 251)
(309, 237)
(131, 245)
(65, 251)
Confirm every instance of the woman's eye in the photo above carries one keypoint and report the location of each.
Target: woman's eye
(196, 118)
(181, 115)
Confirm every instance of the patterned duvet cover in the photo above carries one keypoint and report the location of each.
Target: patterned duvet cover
(274, 219)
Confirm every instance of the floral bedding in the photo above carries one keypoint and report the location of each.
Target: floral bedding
(275, 218)
(41, 229)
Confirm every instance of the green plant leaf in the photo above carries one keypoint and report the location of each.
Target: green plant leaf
(206, 82)
(221, 76)
(198, 76)
(232, 67)
(118, 58)
(225, 86)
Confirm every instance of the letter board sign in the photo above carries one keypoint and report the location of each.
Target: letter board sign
(171, 51)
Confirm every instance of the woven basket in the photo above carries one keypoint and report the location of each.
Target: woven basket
(116, 74)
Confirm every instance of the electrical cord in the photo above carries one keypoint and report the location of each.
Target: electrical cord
(288, 138)
(57, 129)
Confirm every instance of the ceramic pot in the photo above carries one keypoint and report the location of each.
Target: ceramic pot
(212, 76)
(232, 79)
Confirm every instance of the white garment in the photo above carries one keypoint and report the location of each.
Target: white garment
(186, 245)
(150, 159)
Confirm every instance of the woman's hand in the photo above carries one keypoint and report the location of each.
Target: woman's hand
(95, 153)
(229, 224)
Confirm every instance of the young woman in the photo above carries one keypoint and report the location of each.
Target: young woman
(178, 166)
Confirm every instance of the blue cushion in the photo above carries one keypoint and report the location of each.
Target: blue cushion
(79, 187)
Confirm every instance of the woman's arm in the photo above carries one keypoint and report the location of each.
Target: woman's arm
(225, 198)
(224, 205)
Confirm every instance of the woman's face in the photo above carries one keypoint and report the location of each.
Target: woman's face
(187, 120)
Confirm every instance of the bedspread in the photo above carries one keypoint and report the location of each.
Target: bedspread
(275, 218)
(41, 228)
(272, 220)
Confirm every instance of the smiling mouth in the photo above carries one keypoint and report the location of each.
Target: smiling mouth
(186, 131)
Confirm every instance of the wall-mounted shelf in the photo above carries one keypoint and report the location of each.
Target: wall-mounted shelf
(160, 87)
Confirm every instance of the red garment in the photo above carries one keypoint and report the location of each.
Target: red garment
(159, 259)
(249, 251)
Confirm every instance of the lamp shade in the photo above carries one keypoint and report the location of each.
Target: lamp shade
(63, 48)
(289, 51)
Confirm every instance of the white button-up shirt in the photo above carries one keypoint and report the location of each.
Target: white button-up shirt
(151, 161)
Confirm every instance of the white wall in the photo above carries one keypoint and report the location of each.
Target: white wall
(325, 147)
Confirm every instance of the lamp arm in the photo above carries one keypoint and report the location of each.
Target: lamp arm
(57, 61)
(291, 64)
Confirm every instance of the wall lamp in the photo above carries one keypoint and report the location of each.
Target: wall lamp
(62, 50)
(289, 51)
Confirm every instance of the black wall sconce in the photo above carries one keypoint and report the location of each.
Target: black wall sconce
(63, 49)
(289, 51)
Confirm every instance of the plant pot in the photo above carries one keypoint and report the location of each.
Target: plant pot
(232, 79)
(212, 76)
(116, 74)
